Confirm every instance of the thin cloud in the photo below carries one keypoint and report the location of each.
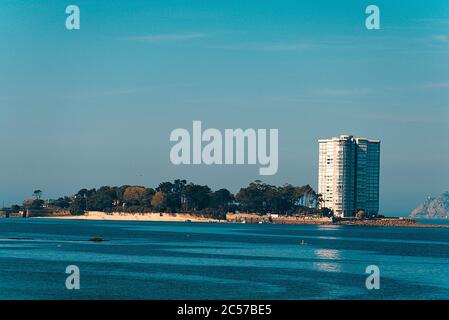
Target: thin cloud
(407, 118)
(340, 42)
(123, 91)
(433, 21)
(255, 46)
(441, 38)
(168, 37)
(343, 92)
(436, 85)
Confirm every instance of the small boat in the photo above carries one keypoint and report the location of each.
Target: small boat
(302, 243)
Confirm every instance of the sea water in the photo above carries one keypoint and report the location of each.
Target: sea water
(164, 260)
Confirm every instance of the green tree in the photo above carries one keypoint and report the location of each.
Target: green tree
(63, 203)
(78, 206)
(222, 199)
(197, 196)
(101, 199)
(174, 194)
(37, 194)
(252, 198)
(37, 204)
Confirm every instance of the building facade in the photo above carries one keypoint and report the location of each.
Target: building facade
(348, 178)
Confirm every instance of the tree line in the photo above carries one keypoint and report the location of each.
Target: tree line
(181, 196)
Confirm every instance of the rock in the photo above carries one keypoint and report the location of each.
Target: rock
(96, 239)
(433, 207)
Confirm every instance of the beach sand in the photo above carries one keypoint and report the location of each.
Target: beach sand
(123, 216)
(183, 217)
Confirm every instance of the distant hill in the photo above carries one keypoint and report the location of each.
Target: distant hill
(433, 207)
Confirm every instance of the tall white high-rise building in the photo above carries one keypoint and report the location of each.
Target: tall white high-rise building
(348, 176)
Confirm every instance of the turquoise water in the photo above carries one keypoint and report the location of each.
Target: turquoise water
(434, 221)
(152, 260)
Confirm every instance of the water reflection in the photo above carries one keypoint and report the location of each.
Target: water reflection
(327, 254)
(328, 227)
(326, 266)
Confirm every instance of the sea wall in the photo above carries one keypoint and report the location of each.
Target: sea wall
(275, 218)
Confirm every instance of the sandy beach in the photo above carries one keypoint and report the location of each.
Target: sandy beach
(182, 217)
(123, 216)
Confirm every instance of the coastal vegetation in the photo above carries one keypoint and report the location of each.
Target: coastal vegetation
(181, 196)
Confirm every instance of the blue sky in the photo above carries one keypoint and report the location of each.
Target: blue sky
(96, 106)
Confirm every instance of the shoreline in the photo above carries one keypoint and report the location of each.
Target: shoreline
(122, 216)
(185, 217)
